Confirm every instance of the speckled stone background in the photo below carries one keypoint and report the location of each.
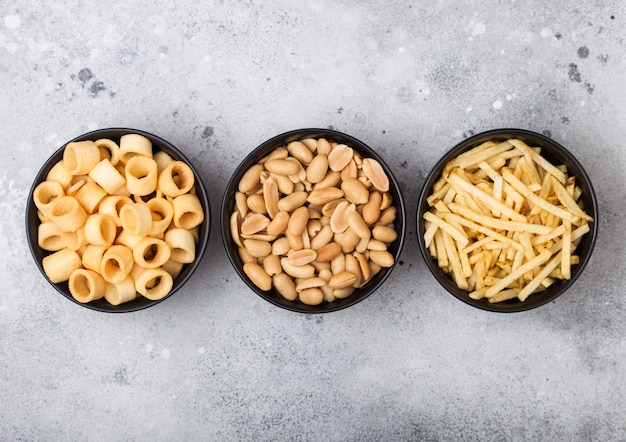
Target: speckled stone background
(215, 362)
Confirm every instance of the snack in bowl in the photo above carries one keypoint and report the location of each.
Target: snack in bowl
(117, 220)
(503, 221)
(312, 220)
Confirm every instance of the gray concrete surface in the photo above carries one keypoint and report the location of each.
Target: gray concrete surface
(215, 362)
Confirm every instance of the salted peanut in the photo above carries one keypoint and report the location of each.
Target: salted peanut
(348, 240)
(280, 153)
(328, 293)
(251, 178)
(293, 201)
(386, 202)
(338, 264)
(313, 226)
(258, 276)
(321, 266)
(329, 208)
(375, 244)
(285, 185)
(382, 258)
(309, 283)
(235, 223)
(282, 167)
(323, 237)
(256, 203)
(257, 248)
(302, 257)
(355, 191)
(339, 157)
(254, 224)
(384, 234)
(325, 274)
(356, 223)
(366, 271)
(241, 203)
(339, 218)
(271, 265)
(323, 146)
(300, 151)
(281, 246)
(317, 169)
(278, 225)
(361, 246)
(295, 241)
(328, 252)
(260, 237)
(285, 285)
(375, 173)
(298, 221)
(303, 271)
(306, 240)
(312, 296)
(310, 143)
(371, 209)
(353, 266)
(343, 293)
(332, 179)
(319, 197)
(271, 196)
(387, 216)
(245, 256)
(342, 280)
(350, 171)
(300, 175)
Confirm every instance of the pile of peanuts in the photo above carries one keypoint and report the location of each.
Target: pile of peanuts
(313, 219)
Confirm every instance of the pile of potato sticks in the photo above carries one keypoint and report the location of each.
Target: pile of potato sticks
(504, 222)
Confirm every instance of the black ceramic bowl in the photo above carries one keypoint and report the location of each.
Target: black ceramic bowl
(32, 220)
(557, 155)
(229, 201)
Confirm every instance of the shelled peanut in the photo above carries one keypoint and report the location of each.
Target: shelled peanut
(314, 220)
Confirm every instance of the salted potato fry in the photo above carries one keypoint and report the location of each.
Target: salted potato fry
(504, 222)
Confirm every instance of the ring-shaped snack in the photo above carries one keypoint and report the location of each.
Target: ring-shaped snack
(89, 196)
(60, 173)
(188, 211)
(154, 284)
(112, 204)
(45, 194)
(182, 243)
(134, 144)
(116, 264)
(176, 179)
(173, 267)
(100, 229)
(49, 237)
(109, 150)
(79, 157)
(141, 175)
(58, 266)
(75, 240)
(86, 285)
(121, 292)
(136, 218)
(162, 214)
(92, 257)
(107, 176)
(67, 213)
(151, 252)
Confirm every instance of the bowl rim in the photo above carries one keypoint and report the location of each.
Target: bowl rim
(179, 281)
(466, 144)
(281, 140)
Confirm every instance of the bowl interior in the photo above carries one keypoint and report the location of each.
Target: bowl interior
(556, 154)
(229, 201)
(32, 220)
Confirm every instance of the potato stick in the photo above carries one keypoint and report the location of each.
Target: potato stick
(529, 171)
(459, 236)
(478, 293)
(450, 195)
(566, 250)
(577, 233)
(442, 256)
(455, 261)
(464, 162)
(439, 194)
(456, 181)
(429, 234)
(540, 239)
(541, 276)
(498, 224)
(465, 264)
(491, 173)
(541, 161)
(504, 295)
(432, 248)
(468, 223)
(566, 199)
(548, 207)
(504, 282)
(480, 243)
(525, 241)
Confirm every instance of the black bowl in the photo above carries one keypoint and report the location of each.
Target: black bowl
(228, 205)
(32, 220)
(556, 154)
